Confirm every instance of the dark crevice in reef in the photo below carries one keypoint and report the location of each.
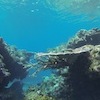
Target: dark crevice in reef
(79, 81)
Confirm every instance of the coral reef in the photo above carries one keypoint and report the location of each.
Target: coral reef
(13, 65)
(84, 37)
(77, 65)
(33, 93)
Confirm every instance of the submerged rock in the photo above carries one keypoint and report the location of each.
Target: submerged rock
(85, 37)
(78, 65)
(12, 67)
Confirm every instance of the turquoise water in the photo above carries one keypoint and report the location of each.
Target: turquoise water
(33, 26)
(37, 25)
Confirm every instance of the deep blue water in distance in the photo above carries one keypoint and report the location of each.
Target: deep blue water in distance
(36, 28)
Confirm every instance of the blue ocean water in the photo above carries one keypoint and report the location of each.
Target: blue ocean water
(34, 26)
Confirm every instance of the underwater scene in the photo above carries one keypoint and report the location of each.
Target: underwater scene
(49, 49)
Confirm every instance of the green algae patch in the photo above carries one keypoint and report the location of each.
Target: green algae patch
(33, 95)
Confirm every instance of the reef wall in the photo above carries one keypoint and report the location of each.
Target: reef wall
(13, 65)
(77, 68)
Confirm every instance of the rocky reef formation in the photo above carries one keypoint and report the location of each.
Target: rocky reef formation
(84, 37)
(77, 68)
(33, 93)
(13, 65)
(75, 65)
